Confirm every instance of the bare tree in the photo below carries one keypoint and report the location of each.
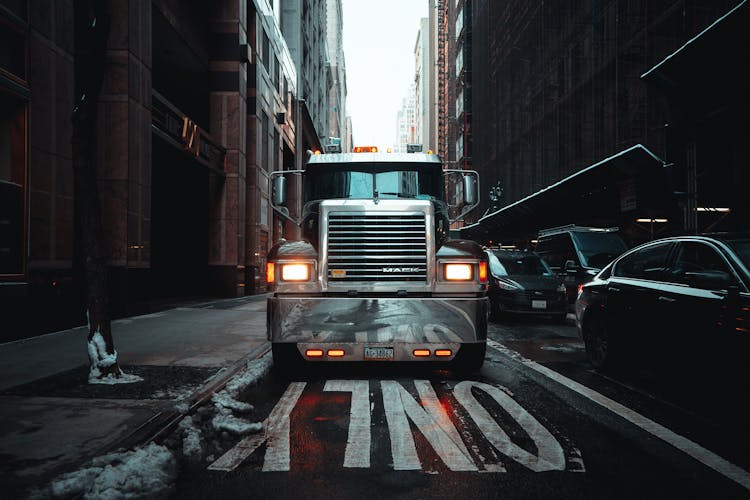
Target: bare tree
(91, 33)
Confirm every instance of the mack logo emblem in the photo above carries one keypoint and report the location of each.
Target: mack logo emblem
(400, 269)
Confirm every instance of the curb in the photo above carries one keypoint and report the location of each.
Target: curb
(158, 427)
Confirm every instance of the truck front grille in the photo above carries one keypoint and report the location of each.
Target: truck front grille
(376, 247)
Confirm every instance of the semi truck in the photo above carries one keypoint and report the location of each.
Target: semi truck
(376, 276)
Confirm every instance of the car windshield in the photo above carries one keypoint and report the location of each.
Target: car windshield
(381, 181)
(741, 247)
(599, 248)
(518, 265)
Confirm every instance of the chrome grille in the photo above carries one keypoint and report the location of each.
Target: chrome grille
(376, 247)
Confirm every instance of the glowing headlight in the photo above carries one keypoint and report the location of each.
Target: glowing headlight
(458, 272)
(295, 272)
(507, 284)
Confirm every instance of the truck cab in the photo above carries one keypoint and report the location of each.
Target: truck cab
(376, 276)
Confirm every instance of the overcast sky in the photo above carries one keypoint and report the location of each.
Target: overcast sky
(379, 39)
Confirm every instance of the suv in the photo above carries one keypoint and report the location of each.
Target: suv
(577, 253)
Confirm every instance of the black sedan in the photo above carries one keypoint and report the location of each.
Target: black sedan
(522, 283)
(681, 300)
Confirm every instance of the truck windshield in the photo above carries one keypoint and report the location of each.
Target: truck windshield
(363, 182)
(599, 248)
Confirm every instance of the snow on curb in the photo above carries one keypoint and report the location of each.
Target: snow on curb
(225, 403)
(147, 471)
(191, 440)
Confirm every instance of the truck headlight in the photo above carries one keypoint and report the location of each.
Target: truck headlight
(458, 272)
(295, 272)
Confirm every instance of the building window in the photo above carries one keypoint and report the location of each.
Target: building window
(459, 22)
(12, 51)
(12, 185)
(264, 211)
(264, 141)
(264, 51)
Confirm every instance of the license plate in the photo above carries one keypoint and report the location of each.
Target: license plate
(379, 353)
(539, 304)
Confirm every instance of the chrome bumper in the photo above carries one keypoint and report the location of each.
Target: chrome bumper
(352, 323)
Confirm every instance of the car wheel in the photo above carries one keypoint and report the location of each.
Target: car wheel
(601, 351)
(470, 358)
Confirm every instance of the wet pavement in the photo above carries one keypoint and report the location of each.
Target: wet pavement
(535, 422)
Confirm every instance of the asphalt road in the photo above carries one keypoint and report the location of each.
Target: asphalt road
(535, 422)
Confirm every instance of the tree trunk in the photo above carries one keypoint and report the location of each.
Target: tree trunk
(91, 33)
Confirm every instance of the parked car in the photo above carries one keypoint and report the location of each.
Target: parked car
(577, 253)
(520, 282)
(680, 299)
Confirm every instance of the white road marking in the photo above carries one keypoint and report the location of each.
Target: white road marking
(275, 433)
(550, 453)
(399, 404)
(683, 444)
(358, 443)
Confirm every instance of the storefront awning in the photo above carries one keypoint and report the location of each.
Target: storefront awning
(633, 183)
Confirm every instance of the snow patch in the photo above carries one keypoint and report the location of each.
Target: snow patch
(182, 407)
(144, 472)
(225, 403)
(191, 438)
(99, 359)
(230, 423)
(254, 371)
(223, 399)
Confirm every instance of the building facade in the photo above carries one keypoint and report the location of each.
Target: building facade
(303, 24)
(336, 91)
(557, 85)
(197, 108)
(405, 123)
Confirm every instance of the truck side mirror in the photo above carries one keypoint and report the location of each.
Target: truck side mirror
(279, 191)
(470, 190)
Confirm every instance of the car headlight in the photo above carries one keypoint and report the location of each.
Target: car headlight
(508, 284)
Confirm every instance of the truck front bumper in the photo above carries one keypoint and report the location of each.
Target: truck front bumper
(353, 324)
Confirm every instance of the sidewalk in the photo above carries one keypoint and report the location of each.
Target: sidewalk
(51, 419)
